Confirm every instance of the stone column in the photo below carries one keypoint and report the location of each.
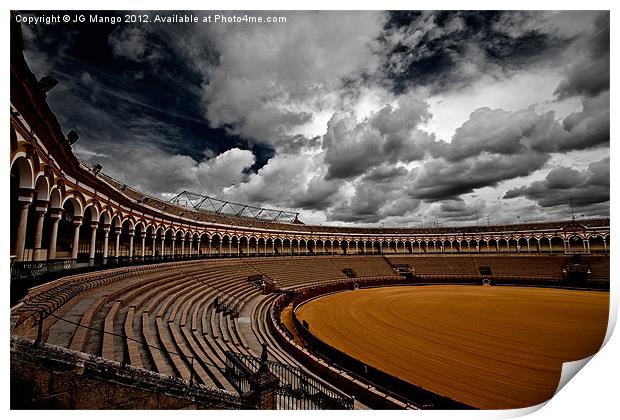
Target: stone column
(566, 246)
(173, 246)
(154, 237)
(93, 242)
(143, 237)
(586, 245)
(132, 232)
(163, 242)
(40, 212)
(77, 222)
(183, 245)
(55, 215)
(117, 242)
(24, 200)
(106, 240)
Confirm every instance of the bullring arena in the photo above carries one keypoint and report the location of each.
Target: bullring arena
(466, 335)
(123, 300)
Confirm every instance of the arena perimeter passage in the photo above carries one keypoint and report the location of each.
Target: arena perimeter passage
(489, 347)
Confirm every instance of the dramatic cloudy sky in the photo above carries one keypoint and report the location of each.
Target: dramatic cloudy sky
(401, 118)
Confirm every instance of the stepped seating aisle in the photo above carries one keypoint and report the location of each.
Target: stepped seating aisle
(165, 335)
(172, 313)
(79, 337)
(259, 326)
(133, 350)
(136, 302)
(107, 351)
(184, 338)
(155, 354)
(171, 337)
(174, 362)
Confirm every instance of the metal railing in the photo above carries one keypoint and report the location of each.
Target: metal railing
(296, 390)
(29, 269)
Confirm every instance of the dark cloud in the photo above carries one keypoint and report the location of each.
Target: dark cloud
(292, 181)
(448, 49)
(590, 75)
(508, 133)
(329, 113)
(113, 79)
(385, 174)
(269, 80)
(377, 195)
(460, 211)
(500, 132)
(589, 127)
(587, 188)
(498, 145)
(387, 136)
(318, 195)
(440, 179)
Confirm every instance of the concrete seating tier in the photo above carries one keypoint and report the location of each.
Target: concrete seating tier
(180, 318)
(438, 264)
(367, 266)
(289, 273)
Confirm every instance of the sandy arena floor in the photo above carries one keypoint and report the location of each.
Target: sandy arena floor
(490, 347)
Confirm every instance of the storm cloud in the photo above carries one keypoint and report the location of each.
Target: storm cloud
(585, 188)
(401, 117)
(388, 136)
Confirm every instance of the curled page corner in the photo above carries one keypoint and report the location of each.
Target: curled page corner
(522, 412)
(570, 369)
